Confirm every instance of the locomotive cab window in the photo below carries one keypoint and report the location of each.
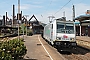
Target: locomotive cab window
(65, 28)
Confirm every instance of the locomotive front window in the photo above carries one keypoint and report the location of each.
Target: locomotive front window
(65, 28)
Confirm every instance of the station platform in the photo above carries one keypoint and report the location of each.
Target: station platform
(39, 49)
(83, 41)
(83, 38)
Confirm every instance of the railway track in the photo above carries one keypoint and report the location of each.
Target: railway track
(77, 54)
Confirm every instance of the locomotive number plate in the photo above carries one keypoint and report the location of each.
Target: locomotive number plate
(65, 39)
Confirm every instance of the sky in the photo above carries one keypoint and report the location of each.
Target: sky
(42, 9)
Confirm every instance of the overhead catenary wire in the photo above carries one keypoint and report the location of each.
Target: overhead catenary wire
(48, 7)
(49, 4)
(62, 7)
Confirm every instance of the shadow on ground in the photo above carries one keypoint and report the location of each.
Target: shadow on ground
(29, 59)
(78, 50)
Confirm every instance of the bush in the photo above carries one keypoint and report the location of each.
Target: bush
(12, 49)
(30, 33)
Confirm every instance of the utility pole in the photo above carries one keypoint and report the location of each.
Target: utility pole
(73, 13)
(64, 14)
(26, 23)
(23, 24)
(18, 17)
(74, 19)
(18, 6)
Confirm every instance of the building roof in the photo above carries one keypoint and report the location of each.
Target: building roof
(43, 24)
(33, 17)
(83, 17)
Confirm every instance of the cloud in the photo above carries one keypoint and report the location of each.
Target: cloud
(36, 2)
(79, 9)
(25, 6)
(35, 6)
(28, 6)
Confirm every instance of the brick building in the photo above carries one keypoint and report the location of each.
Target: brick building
(83, 27)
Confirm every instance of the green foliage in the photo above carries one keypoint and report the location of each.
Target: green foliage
(12, 49)
(30, 32)
(23, 27)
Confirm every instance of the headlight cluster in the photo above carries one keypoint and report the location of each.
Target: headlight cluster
(58, 38)
(72, 39)
(57, 43)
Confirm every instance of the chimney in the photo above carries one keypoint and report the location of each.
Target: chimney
(6, 18)
(3, 23)
(13, 15)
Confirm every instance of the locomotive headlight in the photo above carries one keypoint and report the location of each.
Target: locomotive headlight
(57, 43)
(58, 38)
(72, 39)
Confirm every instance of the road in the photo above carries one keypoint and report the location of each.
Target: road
(39, 49)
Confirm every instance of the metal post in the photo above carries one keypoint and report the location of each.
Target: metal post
(18, 31)
(73, 13)
(23, 24)
(26, 23)
(18, 17)
(64, 14)
(18, 6)
(50, 20)
(23, 31)
(80, 28)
